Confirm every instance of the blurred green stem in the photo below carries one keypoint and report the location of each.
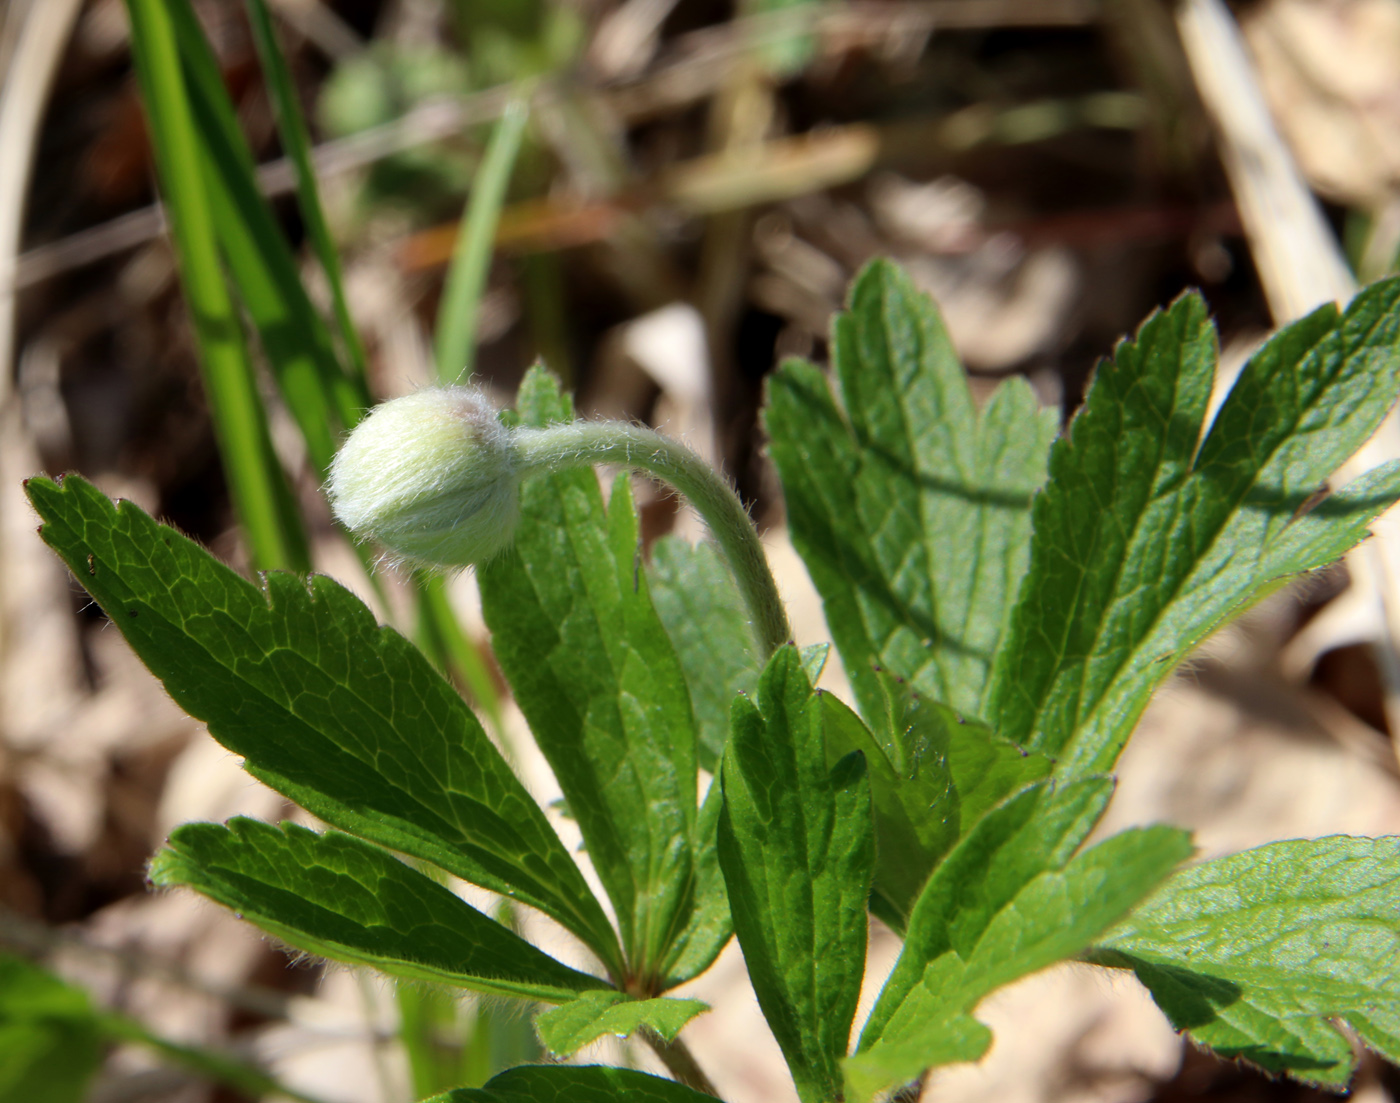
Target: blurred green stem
(460, 310)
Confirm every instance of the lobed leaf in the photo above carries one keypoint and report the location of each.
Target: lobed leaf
(1147, 538)
(594, 672)
(930, 785)
(573, 1084)
(351, 901)
(796, 846)
(1258, 955)
(339, 714)
(911, 510)
(1008, 901)
(569, 1028)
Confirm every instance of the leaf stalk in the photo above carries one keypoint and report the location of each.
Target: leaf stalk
(679, 1061)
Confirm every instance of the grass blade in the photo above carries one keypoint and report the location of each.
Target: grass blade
(296, 143)
(256, 482)
(298, 344)
(455, 337)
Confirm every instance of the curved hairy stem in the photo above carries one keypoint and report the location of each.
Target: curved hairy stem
(582, 443)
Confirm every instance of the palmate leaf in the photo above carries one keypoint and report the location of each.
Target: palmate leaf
(911, 510)
(573, 1084)
(335, 712)
(1009, 900)
(567, 1029)
(351, 901)
(594, 672)
(1147, 538)
(1257, 954)
(796, 846)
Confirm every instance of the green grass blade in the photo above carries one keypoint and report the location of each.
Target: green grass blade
(350, 901)
(300, 351)
(455, 336)
(49, 1035)
(442, 639)
(256, 482)
(455, 353)
(296, 143)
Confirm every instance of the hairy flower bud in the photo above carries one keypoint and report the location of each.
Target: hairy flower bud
(432, 476)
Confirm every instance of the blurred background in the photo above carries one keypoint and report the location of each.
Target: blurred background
(697, 182)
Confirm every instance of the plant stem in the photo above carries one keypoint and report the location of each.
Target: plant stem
(583, 443)
(679, 1062)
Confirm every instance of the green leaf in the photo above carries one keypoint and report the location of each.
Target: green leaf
(796, 845)
(911, 510)
(348, 900)
(698, 602)
(1146, 539)
(574, 1084)
(711, 926)
(49, 1036)
(933, 776)
(569, 1028)
(594, 673)
(52, 1037)
(341, 715)
(1256, 955)
(951, 1039)
(1008, 901)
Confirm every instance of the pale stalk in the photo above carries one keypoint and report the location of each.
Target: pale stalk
(584, 443)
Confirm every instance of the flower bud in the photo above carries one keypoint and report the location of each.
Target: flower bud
(432, 476)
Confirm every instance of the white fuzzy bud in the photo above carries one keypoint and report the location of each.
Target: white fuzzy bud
(432, 476)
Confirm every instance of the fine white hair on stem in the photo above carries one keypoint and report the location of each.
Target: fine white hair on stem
(435, 477)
